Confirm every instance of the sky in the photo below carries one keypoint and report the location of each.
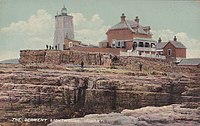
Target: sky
(29, 24)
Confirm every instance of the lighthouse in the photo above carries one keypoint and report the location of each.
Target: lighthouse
(64, 28)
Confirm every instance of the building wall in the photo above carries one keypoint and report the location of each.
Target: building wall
(119, 34)
(129, 45)
(181, 53)
(165, 51)
(141, 36)
(124, 34)
(67, 41)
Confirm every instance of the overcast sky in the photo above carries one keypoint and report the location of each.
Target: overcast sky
(29, 24)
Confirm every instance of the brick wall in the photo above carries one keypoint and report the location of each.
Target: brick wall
(181, 53)
(120, 34)
(129, 45)
(141, 36)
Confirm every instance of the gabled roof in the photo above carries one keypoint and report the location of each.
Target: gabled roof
(161, 45)
(122, 25)
(177, 44)
(190, 62)
(132, 25)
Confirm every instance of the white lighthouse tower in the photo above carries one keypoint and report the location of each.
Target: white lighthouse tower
(64, 28)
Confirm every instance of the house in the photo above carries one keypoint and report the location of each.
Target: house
(122, 34)
(70, 43)
(172, 50)
(194, 62)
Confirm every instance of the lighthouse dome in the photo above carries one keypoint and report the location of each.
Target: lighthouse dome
(64, 11)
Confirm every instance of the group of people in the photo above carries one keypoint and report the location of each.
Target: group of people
(49, 47)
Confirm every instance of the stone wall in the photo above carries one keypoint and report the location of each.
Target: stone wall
(114, 51)
(150, 65)
(31, 56)
(61, 57)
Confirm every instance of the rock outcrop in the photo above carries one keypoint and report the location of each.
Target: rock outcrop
(53, 91)
(172, 115)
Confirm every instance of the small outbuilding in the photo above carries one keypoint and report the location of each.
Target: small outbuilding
(195, 62)
(172, 50)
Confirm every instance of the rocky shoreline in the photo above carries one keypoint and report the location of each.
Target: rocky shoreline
(62, 91)
(175, 114)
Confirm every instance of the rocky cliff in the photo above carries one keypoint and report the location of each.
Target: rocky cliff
(61, 91)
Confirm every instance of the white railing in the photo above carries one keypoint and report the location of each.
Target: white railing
(145, 49)
(142, 55)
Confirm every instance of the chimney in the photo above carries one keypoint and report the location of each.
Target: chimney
(159, 40)
(123, 17)
(175, 39)
(137, 19)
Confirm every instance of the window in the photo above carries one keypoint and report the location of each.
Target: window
(153, 45)
(169, 51)
(113, 45)
(146, 44)
(135, 44)
(122, 44)
(118, 44)
(141, 44)
(70, 44)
